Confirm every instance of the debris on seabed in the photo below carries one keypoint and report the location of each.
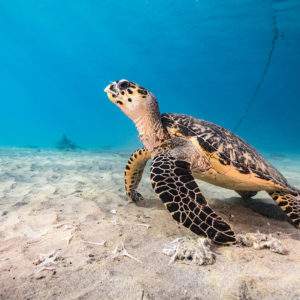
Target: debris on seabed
(60, 225)
(262, 241)
(46, 261)
(116, 222)
(147, 217)
(190, 251)
(144, 225)
(44, 233)
(66, 226)
(95, 243)
(121, 251)
(68, 238)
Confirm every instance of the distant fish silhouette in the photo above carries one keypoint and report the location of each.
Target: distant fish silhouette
(66, 144)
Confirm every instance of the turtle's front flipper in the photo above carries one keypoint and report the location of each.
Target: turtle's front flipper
(172, 180)
(133, 173)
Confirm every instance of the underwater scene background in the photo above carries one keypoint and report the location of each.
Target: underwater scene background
(208, 59)
(68, 227)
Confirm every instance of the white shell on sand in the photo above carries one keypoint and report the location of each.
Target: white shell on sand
(60, 237)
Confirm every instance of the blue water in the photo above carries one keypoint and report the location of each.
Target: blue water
(203, 58)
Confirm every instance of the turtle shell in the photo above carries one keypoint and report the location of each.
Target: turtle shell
(228, 154)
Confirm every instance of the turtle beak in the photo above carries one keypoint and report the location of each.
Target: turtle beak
(112, 92)
(111, 89)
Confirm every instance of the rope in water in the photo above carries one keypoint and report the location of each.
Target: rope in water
(274, 40)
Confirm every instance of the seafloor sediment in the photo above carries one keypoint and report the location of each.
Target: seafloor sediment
(67, 231)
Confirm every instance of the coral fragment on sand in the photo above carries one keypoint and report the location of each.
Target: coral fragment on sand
(144, 225)
(68, 238)
(262, 241)
(96, 243)
(121, 251)
(46, 261)
(131, 225)
(65, 227)
(190, 251)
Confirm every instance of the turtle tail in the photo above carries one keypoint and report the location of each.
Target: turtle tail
(289, 202)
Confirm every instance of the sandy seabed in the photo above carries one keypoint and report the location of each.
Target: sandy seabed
(67, 231)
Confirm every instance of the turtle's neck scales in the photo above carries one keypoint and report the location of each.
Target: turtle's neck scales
(151, 131)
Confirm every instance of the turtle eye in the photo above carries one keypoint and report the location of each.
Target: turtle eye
(123, 85)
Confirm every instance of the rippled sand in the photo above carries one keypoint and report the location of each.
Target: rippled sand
(65, 221)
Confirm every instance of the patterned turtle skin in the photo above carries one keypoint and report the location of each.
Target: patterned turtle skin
(183, 148)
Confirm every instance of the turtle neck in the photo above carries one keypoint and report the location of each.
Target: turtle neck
(151, 131)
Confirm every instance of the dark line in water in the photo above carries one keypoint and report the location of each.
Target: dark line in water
(274, 40)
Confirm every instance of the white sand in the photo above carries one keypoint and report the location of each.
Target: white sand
(67, 231)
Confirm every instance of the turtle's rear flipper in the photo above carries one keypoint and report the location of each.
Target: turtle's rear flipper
(289, 202)
(172, 180)
(133, 173)
(246, 194)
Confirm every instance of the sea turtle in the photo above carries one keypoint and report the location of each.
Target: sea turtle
(183, 148)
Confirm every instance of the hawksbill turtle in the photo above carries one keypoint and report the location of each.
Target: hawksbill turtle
(183, 148)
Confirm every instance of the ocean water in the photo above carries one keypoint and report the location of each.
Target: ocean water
(208, 59)
(67, 229)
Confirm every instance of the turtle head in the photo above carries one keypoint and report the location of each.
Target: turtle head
(131, 98)
(142, 108)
